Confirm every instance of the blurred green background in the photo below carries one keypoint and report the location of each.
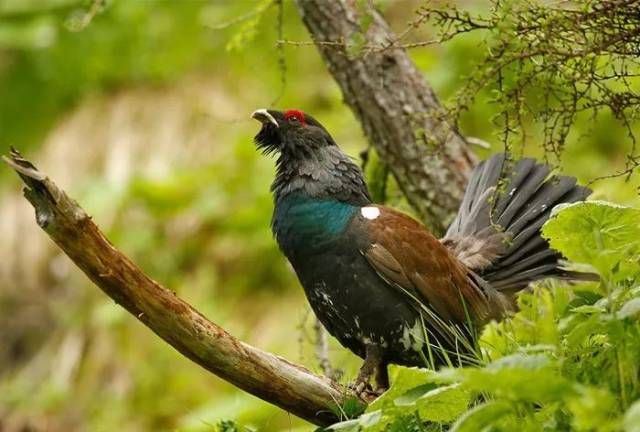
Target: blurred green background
(139, 109)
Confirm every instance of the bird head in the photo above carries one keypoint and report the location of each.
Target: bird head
(309, 162)
(290, 132)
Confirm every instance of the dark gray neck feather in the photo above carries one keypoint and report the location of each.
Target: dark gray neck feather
(325, 173)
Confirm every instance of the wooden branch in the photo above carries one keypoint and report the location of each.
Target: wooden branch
(399, 112)
(267, 376)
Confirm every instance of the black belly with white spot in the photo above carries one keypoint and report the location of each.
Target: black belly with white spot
(357, 307)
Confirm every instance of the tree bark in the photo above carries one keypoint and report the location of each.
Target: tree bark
(267, 376)
(398, 110)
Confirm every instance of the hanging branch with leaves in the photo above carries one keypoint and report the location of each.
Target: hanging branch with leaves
(552, 62)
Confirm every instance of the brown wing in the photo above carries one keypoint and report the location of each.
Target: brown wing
(406, 254)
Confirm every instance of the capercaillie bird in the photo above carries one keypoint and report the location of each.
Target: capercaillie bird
(378, 280)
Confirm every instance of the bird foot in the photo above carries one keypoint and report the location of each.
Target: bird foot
(364, 390)
(379, 391)
(360, 386)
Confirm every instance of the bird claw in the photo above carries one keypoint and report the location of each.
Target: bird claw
(359, 386)
(379, 391)
(364, 390)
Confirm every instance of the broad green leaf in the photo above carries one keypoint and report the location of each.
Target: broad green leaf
(478, 418)
(593, 409)
(604, 235)
(412, 395)
(632, 418)
(444, 404)
(367, 421)
(405, 380)
(441, 404)
(532, 378)
(630, 308)
(345, 426)
(519, 361)
(418, 390)
(588, 309)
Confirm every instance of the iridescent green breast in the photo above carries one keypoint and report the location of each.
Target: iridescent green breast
(308, 224)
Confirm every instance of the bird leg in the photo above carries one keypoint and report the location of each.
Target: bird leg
(373, 366)
(382, 378)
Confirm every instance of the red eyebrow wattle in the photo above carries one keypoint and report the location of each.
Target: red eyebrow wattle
(297, 114)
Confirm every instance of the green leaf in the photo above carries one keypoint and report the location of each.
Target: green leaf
(593, 409)
(518, 377)
(419, 390)
(588, 309)
(406, 380)
(630, 308)
(412, 395)
(444, 404)
(441, 404)
(581, 332)
(481, 416)
(601, 234)
(350, 408)
(369, 421)
(632, 418)
(345, 426)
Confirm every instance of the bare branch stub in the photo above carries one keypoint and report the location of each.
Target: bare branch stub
(265, 375)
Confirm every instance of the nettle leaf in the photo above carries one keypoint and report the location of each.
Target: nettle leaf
(345, 426)
(368, 421)
(406, 380)
(481, 416)
(406, 384)
(602, 234)
(518, 377)
(419, 390)
(593, 409)
(630, 309)
(589, 309)
(443, 404)
(632, 418)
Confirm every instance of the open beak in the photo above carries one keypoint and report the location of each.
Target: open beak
(263, 116)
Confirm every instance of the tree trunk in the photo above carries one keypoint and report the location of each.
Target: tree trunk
(398, 110)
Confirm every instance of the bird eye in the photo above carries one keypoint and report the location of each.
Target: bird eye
(293, 119)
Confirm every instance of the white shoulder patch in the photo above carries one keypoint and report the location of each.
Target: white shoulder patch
(370, 212)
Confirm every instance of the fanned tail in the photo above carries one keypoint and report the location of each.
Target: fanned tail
(496, 232)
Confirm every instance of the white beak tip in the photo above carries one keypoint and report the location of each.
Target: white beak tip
(262, 115)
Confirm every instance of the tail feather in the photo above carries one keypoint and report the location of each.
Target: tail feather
(497, 230)
(514, 283)
(519, 174)
(527, 262)
(526, 249)
(548, 194)
(521, 196)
